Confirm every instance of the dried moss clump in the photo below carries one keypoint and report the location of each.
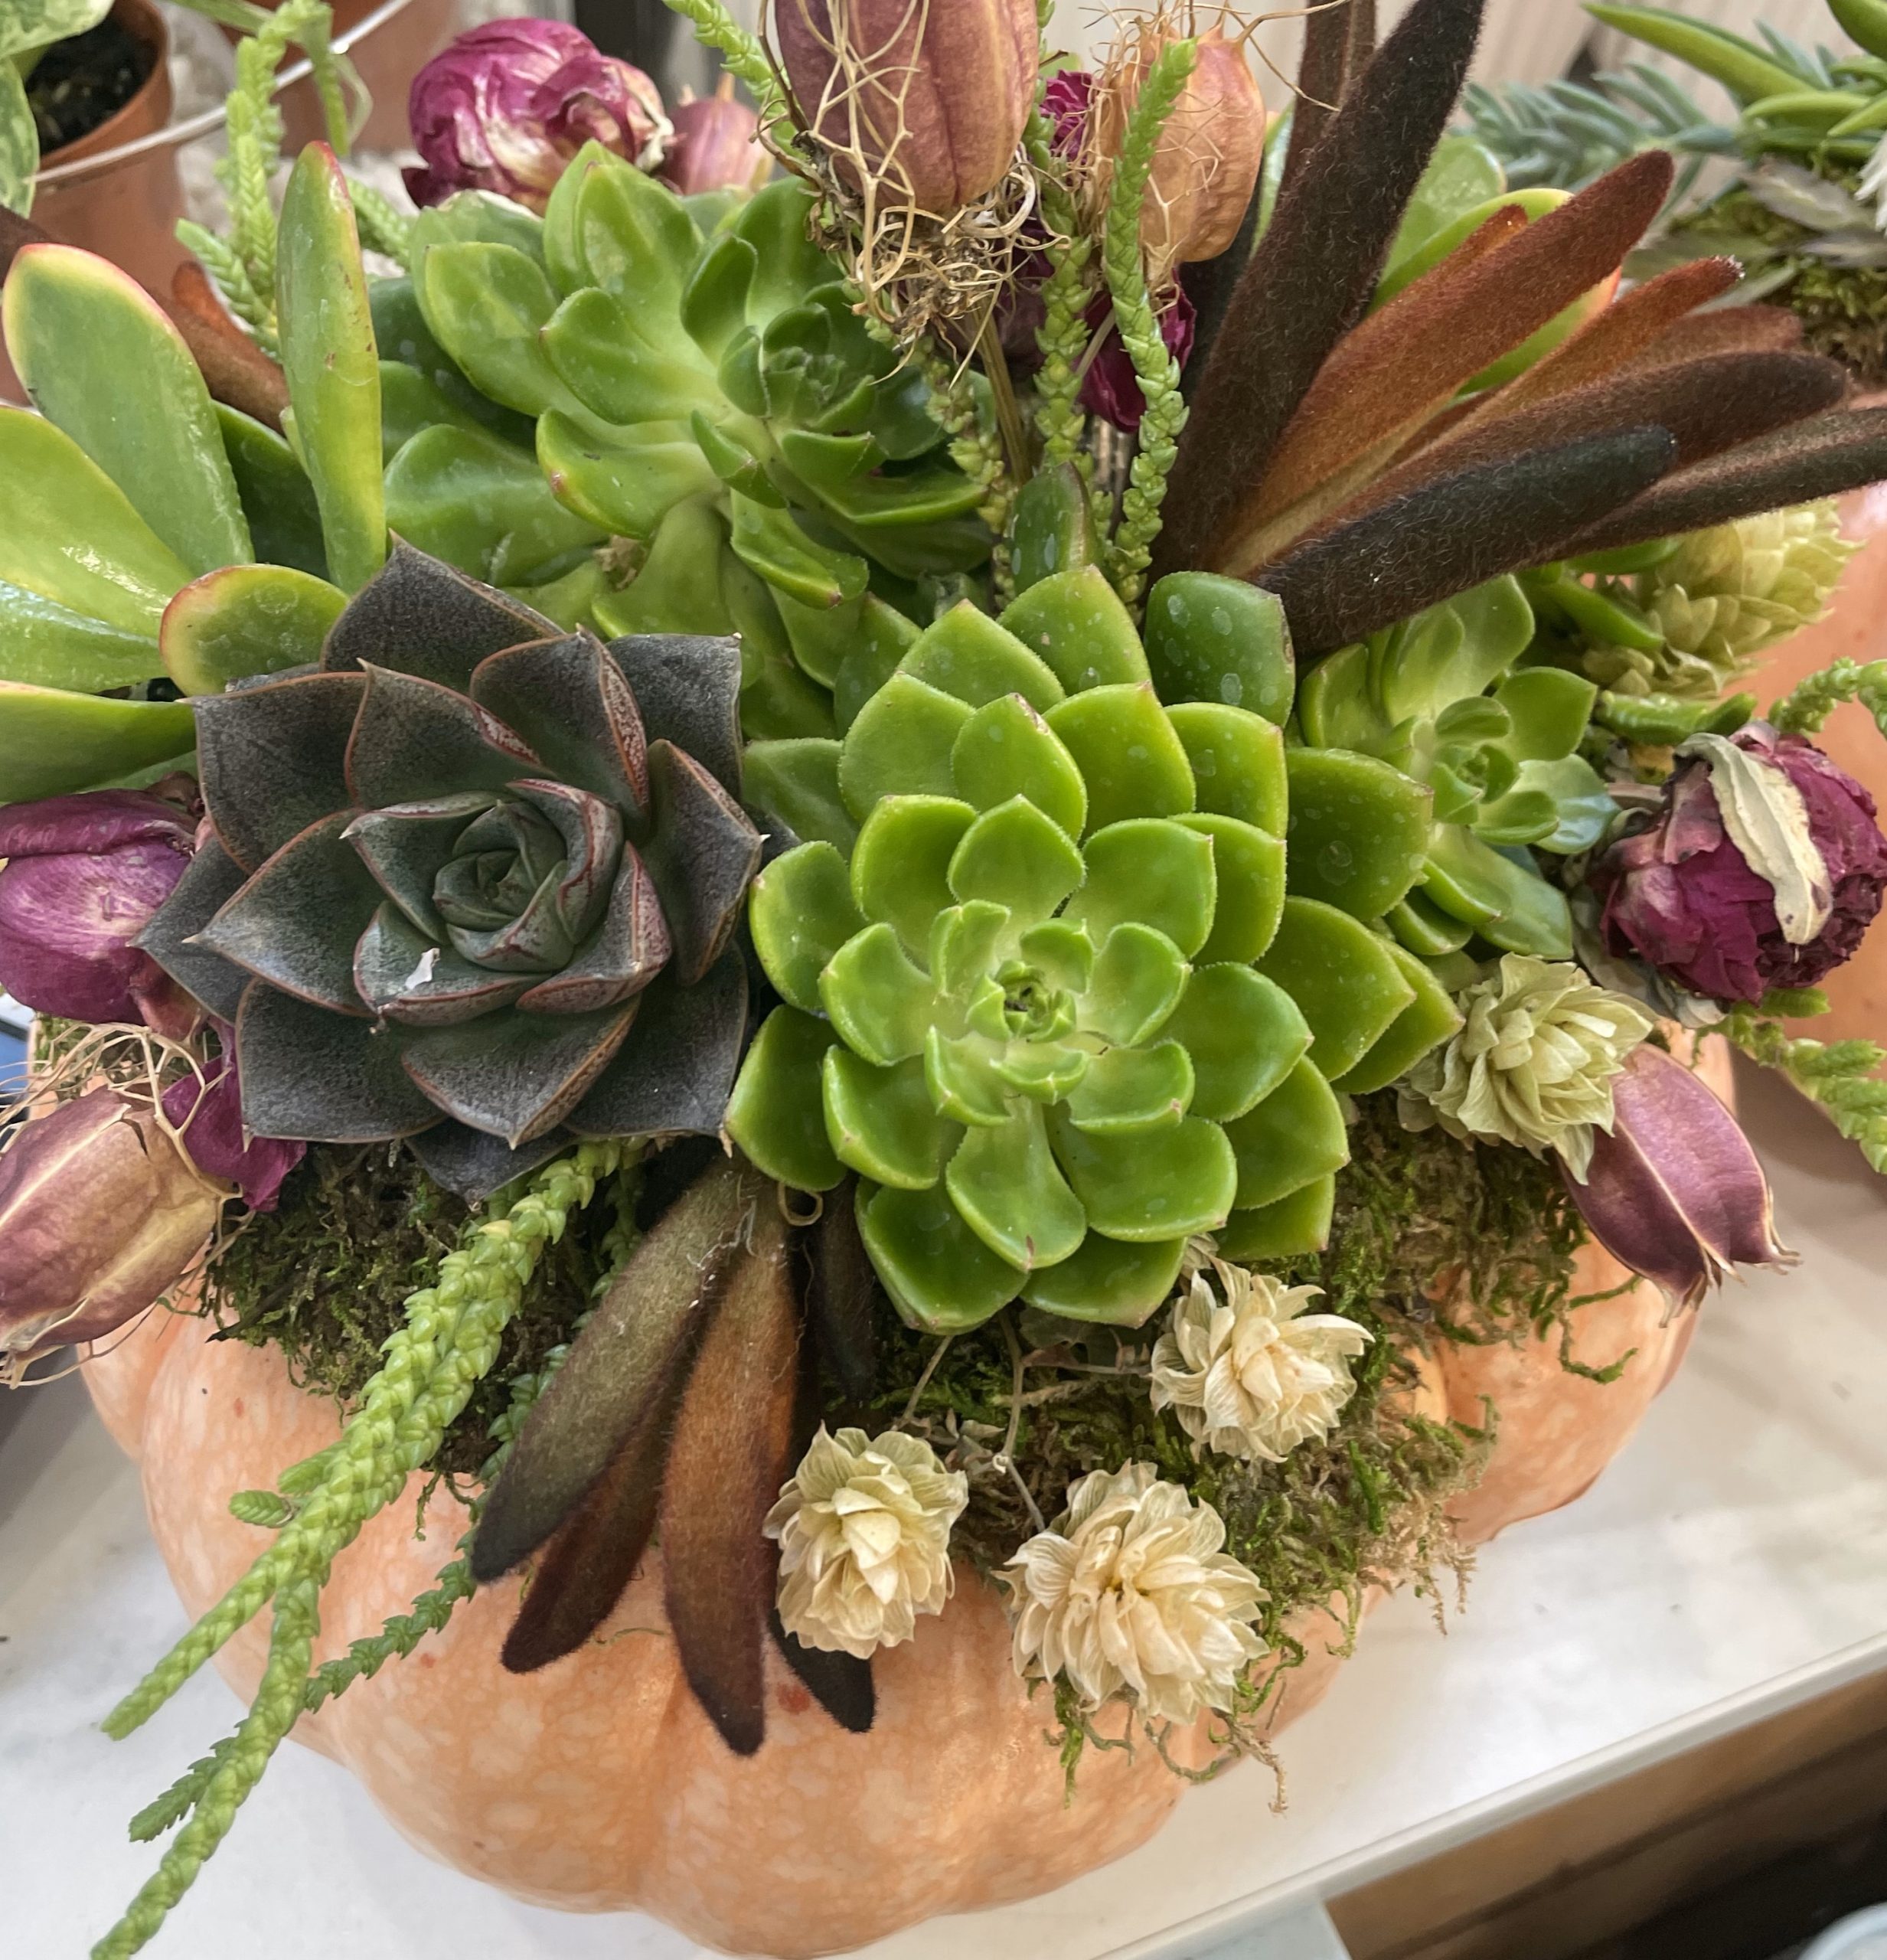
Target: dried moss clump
(325, 1276)
(1842, 308)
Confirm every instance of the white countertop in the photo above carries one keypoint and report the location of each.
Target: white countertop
(1733, 1559)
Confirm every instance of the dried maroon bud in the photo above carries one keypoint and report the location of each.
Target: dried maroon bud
(209, 1116)
(101, 1213)
(1763, 869)
(716, 146)
(1674, 1190)
(927, 98)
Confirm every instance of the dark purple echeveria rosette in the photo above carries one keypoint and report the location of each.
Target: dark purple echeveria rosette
(474, 882)
(506, 105)
(1681, 895)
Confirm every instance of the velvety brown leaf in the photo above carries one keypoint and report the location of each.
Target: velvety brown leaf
(235, 368)
(1405, 362)
(842, 1296)
(1310, 279)
(840, 1683)
(1709, 406)
(1338, 42)
(593, 1556)
(1619, 334)
(732, 1451)
(1447, 536)
(610, 1387)
(1818, 458)
(1726, 330)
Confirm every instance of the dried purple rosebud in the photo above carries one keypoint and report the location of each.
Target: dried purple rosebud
(926, 98)
(83, 876)
(1674, 1190)
(1763, 869)
(208, 1115)
(717, 144)
(506, 105)
(101, 1213)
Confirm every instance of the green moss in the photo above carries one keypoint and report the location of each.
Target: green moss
(1842, 308)
(324, 1277)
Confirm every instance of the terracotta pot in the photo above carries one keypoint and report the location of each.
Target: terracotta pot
(1854, 627)
(126, 211)
(386, 60)
(1556, 1431)
(597, 1785)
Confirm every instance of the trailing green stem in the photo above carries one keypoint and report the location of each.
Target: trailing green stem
(742, 53)
(1805, 711)
(382, 228)
(448, 1342)
(1843, 1077)
(1063, 334)
(231, 279)
(1157, 372)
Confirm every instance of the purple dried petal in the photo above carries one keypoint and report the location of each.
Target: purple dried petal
(1675, 1191)
(506, 105)
(1111, 390)
(93, 820)
(210, 1119)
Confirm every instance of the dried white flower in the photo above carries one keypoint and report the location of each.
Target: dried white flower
(1247, 1372)
(1533, 1062)
(864, 1527)
(1129, 1593)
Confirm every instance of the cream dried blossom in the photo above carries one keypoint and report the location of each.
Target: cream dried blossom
(864, 1526)
(1129, 1593)
(1533, 1063)
(1247, 1372)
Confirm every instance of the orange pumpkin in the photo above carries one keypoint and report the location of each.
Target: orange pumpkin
(597, 1784)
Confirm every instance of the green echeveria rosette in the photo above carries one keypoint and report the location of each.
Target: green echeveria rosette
(685, 374)
(1044, 991)
(472, 881)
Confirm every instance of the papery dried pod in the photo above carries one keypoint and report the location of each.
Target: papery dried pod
(1206, 161)
(1674, 1190)
(100, 1212)
(924, 100)
(717, 144)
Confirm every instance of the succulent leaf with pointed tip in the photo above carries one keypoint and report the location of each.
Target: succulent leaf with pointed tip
(479, 881)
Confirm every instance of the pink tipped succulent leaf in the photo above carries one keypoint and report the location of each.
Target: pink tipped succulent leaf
(1674, 1190)
(506, 105)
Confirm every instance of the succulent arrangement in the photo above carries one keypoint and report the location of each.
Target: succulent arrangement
(689, 699)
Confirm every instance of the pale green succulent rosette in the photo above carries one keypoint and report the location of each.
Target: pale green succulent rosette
(1044, 991)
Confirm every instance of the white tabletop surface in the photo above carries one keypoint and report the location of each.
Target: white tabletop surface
(1733, 1559)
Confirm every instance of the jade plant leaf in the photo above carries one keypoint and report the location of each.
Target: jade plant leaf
(1360, 830)
(901, 744)
(76, 328)
(1052, 530)
(940, 1275)
(278, 499)
(1008, 1189)
(1109, 1281)
(45, 644)
(1296, 1135)
(1249, 871)
(800, 912)
(1074, 622)
(52, 742)
(68, 533)
(1507, 902)
(1006, 750)
(332, 364)
(1131, 759)
(243, 620)
(1294, 1225)
(969, 656)
(1343, 978)
(881, 1122)
(1238, 763)
(1153, 872)
(776, 1109)
(1213, 638)
(1431, 1018)
(1154, 1185)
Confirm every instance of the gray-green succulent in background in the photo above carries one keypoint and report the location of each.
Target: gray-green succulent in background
(674, 387)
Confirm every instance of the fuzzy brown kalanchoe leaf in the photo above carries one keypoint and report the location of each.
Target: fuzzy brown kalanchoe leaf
(472, 881)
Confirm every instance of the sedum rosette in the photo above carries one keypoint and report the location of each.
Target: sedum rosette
(1534, 1063)
(1130, 1594)
(864, 1526)
(1043, 990)
(1248, 1371)
(472, 881)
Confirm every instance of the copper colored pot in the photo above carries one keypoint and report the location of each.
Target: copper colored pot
(127, 209)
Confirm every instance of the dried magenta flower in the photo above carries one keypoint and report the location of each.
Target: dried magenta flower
(506, 105)
(83, 876)
(208, 1115)
(1764, 868)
